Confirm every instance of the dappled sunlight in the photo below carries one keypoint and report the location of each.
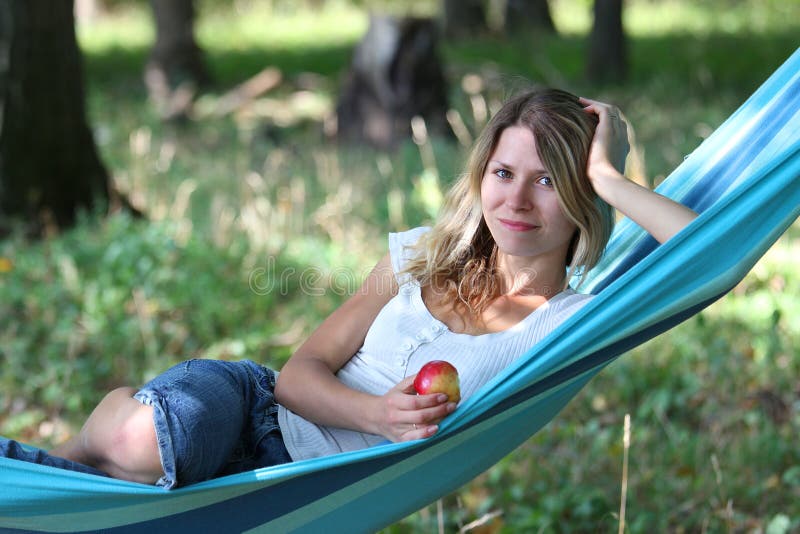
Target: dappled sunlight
(665, 17)
(267, 26)
(258, 223)
(128, 27)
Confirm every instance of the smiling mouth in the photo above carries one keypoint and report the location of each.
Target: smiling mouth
(517, 226)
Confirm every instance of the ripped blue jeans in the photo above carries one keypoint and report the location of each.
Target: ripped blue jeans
(212, 418)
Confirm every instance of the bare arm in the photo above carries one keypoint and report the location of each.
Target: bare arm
(308, 385)
(659, 215)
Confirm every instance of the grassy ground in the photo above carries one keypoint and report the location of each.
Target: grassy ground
(241, 206)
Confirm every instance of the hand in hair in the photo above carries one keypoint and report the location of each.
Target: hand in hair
(610, 144)
(657, 214)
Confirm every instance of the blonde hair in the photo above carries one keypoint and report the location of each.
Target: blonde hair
(458, 255)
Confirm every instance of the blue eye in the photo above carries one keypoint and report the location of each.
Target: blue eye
(545, 180)
(503, 174)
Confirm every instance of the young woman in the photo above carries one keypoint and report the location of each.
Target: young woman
(489, 280)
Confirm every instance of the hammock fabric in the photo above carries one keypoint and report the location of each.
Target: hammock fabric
(745, 181)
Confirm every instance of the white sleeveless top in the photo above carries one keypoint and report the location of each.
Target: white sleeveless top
(403, 337)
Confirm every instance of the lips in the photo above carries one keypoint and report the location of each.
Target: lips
(517, 226)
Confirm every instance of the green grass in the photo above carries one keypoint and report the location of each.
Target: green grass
(257, 227)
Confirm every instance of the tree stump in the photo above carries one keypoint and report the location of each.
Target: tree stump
(176, 66)
(395, 75)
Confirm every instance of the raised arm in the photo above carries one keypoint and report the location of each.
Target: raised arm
(308, 385)
(659, 215)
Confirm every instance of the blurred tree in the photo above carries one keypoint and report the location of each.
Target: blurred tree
(463, 18)
(528, 15)
(395, 75)
(49, 166)
(608, 58)
(176, 65)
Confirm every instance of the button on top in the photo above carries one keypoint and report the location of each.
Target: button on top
(400, 362)
(406, 346)
(420, 336)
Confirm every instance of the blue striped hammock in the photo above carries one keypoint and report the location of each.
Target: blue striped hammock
(745, 181)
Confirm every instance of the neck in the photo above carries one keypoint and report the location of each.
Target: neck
(520, 276)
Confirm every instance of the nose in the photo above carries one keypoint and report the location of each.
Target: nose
(519, 196)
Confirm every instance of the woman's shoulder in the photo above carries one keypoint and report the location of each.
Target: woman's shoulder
(400, 247)
(571, 296)
(568, 302)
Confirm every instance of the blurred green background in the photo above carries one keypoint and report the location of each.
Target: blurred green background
(239, 206)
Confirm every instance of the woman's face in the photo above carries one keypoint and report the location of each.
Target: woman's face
(519, 202)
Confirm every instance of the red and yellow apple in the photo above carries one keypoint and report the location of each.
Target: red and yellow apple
(438, 376)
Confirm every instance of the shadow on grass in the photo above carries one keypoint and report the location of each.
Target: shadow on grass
(670, 67)
(681, 63)
(118, 68)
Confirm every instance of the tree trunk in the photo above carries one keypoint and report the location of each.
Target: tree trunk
(608, 59)
(463, 18)
(176, 65)
(394, 76)
(49, 166)
(528, 15)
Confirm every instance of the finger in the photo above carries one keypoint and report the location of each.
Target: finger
(593, 105)
(416, 403)
(420, 432)
(588, 101)
(591, 108)
(600, 108)
(408, 401)
(406, 385)
(434, 414)
(431, 400)
(407, 381)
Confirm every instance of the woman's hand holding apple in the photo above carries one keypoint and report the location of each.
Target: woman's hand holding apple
(402, 415)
